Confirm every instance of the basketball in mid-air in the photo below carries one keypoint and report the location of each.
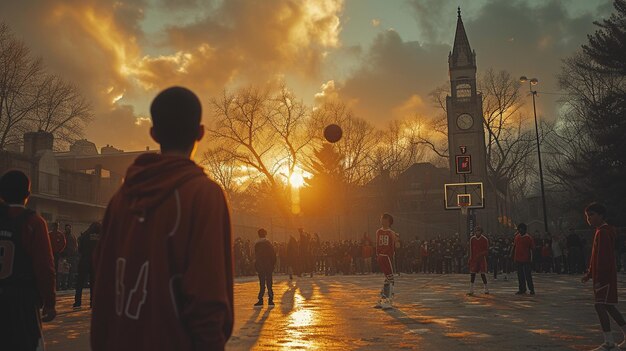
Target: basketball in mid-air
(333, 133)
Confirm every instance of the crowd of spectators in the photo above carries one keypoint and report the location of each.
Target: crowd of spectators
(305, 254)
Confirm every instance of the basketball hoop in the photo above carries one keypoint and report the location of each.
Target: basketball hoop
(464, 208)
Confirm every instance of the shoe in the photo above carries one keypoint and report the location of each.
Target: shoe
(471, 293)
(532, 293)
(270, 302)
(259, 304)
(76, 304)
(622, 345)
(520, 293)
(384, 304)
(379, 304)
(486, 292)
(387, 306)
(605, 347)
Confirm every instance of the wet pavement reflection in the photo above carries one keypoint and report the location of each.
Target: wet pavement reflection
(432, 313)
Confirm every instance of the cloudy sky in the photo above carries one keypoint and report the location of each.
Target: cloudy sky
(381, 56)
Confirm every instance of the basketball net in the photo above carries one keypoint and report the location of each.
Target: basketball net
(464, 209)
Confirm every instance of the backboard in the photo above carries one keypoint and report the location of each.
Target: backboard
(458, 194)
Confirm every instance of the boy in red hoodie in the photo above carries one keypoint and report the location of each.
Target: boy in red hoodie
(603, 272)
(164, 273)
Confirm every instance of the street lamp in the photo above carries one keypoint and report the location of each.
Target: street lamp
(531, 82)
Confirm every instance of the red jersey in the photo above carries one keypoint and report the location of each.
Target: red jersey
(602, 265)
(385, 242)
(58, 242)
(366, 251)
(524, 244)
(479, 246)
(164, 273)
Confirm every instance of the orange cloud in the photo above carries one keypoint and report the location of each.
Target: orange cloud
(409, 107)
(102, 47)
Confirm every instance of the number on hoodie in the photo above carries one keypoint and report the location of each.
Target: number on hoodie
(7, 252)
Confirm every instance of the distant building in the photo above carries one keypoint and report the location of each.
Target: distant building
(415, 198)
(71, 187)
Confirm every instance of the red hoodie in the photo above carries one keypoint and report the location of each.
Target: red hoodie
(164, 273)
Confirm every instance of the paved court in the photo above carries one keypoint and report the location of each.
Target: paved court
(432, 313)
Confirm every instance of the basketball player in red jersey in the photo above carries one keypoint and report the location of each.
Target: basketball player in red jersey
(479, 247)
(164, 272)
(385, 250)
(603, 272)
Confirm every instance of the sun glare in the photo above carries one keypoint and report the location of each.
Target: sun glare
(296, 180)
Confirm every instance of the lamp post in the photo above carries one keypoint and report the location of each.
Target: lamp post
(531, 82)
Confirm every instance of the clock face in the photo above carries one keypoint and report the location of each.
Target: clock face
(464, 121)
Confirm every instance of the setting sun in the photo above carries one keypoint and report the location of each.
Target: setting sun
(296, 180)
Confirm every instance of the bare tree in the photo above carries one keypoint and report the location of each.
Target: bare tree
(358, 141)
(264, 134)
(400, 146)
(508, 140)
(289, 118)
(223, 169)
(62, 110)
(31, 99)
(20, 87)
(243, 125)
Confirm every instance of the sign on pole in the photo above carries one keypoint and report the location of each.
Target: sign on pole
(463, 164)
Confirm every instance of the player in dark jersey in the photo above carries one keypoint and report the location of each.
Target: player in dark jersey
(27, 275)
(385, 250)
(86, 246)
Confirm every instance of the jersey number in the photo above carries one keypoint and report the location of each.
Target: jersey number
(7, 252)
(383, 240)
(130, 306)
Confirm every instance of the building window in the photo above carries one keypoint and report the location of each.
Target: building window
(463, 91)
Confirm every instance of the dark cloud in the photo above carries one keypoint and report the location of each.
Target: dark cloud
(394, 71)
(506, 35)
(433, 16)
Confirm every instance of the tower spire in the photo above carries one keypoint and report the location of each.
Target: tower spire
(462, 54)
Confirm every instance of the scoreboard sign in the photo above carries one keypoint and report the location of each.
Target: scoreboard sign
(463, 164)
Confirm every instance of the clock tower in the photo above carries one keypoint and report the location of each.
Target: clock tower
(465, 109)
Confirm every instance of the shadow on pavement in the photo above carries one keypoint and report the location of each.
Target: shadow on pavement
(251, 330)
(287, 300)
